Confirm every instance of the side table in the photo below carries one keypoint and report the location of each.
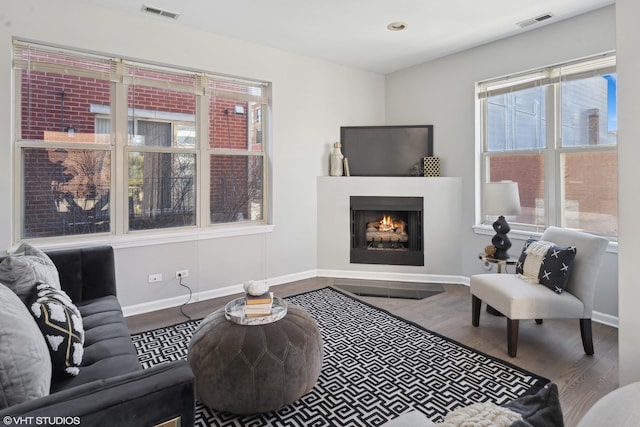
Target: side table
(500, 263)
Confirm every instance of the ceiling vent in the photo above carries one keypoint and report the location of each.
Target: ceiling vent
(535, 20)
(159, 12)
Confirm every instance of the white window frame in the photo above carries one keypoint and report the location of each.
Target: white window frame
(119, 148)
(550, 78)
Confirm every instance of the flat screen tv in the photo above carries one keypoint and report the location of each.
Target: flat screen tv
(386, 150)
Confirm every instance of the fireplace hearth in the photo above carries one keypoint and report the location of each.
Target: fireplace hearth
(386, 230)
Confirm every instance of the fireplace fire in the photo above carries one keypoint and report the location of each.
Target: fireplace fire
(388, 233)
(387, 230)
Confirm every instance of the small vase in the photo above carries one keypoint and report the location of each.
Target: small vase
(336, 160)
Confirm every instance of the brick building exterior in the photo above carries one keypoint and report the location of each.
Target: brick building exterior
(67, 190)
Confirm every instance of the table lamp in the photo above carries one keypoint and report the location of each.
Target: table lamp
(501, 198)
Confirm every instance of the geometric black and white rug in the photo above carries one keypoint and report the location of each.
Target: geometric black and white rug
(376, 366)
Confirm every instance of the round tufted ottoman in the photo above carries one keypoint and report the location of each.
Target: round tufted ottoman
(247, 369)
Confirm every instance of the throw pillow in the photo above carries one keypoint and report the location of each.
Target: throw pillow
(61, 325)
(20, 270)
(542, 409)
(523, 255)
(546, 263)
(25, 365)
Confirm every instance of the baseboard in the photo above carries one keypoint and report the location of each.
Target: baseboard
(310, 274)
(395, 277)
(605, 319)
(161, 304)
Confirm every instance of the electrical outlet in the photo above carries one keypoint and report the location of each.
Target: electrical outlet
(155, 278)
(181, 274)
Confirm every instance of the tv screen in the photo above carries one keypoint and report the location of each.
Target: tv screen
(386, 150)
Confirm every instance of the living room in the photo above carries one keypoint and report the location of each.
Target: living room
(305, 123)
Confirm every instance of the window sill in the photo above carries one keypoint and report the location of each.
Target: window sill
(156, 238)
(523, 235)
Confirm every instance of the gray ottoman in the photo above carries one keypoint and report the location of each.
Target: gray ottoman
(247, 369)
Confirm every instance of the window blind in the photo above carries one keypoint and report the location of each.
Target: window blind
(34, 57)
(589, 67)
(28, 56)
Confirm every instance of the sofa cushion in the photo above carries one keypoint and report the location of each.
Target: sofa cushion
(86, 273)
(108, 350)
(61, 325)
(25, 365)
(23, 268)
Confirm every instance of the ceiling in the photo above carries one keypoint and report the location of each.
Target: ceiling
(354, 32)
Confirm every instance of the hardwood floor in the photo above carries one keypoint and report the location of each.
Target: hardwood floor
(553, 349)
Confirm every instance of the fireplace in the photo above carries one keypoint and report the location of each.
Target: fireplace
(386, 230)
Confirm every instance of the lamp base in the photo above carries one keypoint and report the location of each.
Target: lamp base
(501, 254)
(500, 241)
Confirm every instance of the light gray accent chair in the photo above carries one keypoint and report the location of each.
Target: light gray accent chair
(518, 299)
(618, 408)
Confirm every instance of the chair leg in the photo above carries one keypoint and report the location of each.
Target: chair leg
(476, 303)
(512, 336)
(587, 336)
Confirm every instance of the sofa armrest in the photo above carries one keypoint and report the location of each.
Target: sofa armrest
(86, 273)
(141, 399)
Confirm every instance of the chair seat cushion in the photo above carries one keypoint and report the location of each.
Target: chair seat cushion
(519, 299)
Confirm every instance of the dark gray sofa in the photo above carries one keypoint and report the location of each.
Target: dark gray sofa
(111, 388)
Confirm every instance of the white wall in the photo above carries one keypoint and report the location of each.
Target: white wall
(441, 92)
(311, 100)
(628, 34)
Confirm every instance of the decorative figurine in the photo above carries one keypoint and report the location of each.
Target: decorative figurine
(255, 288)
(490, 250)
(336, 160)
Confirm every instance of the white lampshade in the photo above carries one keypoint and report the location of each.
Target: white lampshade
(501, 198)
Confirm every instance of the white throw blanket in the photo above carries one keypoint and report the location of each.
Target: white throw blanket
(535, 255)
(480, 415)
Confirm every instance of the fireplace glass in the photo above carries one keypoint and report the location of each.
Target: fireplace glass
(387, 230)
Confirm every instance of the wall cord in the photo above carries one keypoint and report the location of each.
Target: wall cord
(188, 301)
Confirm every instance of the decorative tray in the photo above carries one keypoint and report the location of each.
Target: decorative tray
(234, 312)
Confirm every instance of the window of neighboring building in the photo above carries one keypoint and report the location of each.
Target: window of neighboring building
(554, 132)
(110, 145)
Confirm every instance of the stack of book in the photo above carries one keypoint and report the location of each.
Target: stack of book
(258, 305)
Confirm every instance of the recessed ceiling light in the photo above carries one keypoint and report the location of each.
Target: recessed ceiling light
(396, 26)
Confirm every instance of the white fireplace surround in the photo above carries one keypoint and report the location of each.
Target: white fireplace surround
(442, 250)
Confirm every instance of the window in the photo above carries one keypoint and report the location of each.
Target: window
(553, 131)
(110, 145)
